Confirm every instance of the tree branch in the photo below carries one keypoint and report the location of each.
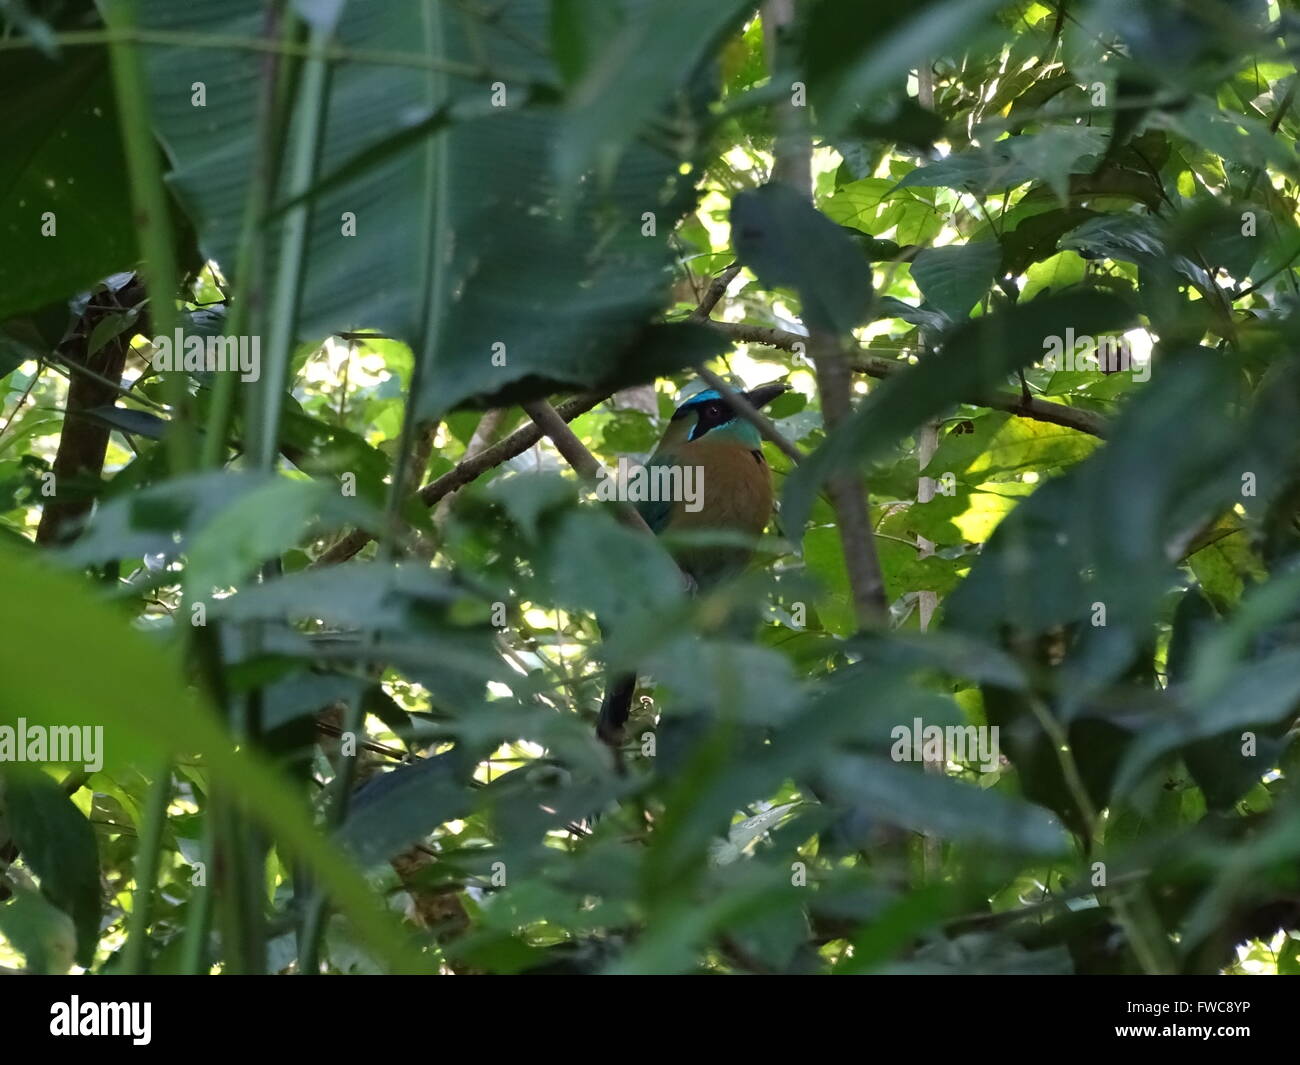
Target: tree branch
(792, 165)
(575, 453)
(1085, 421)
(526, 436)
(716, 290)
(468, 470)
(847, 493)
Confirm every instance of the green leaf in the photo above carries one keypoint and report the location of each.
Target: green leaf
(1004, 446)
(159, 519)
(62, 166)
(1133, 239)
(788, 242)
(896, 926)
(956, 277)
(394, 810)
(41, 933)
(147, 711)
(859, 204)
(526, 497)
(652, 56)
(260, 525)
(581, 30)
(978, 171)
(926, 802)
(1216, 763)
(1237, 138)
(1227, 565)
(331, 451)
(58, 844)
(1257, 694)
(361, 595)
(852, 52)
(622, 576)
(110, 326)
(560, 297)
(1054, 274)
(1104, 532)
(1057, 152)
(1030, 239)
(974, 357)
(824, 556)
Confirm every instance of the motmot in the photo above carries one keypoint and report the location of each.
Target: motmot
(706, 432)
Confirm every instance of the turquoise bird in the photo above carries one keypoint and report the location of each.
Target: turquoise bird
(734, 495)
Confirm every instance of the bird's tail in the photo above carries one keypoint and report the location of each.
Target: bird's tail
(615, 708)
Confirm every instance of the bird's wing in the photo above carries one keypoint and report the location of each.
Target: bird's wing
(657, 512)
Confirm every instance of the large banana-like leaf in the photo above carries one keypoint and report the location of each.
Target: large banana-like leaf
(65, 219)
(438, 139)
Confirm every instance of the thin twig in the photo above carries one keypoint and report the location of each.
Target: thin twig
(1288, 98)
(1085, 421)
(575, 453)
(468, 470)
(72, 367)
(21, 400)
(1149, 944)
(716, 290)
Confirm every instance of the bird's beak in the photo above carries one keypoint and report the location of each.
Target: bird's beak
(764, 394)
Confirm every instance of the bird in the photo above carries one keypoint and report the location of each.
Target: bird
(707, 432)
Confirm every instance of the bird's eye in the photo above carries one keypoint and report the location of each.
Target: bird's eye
(714, 410)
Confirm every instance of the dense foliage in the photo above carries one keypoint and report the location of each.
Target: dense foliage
(338, 621)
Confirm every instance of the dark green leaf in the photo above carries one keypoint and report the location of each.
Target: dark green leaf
(58, 844)
(787, 242)
(396, 809)
(956, 277)
(62, 167)
(131, 421)
(974, 358)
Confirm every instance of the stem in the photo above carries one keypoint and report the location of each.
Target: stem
(864, 362)
(131, 35)
(575, 453)
(289, 281)
(135, 954)
(793, 166)
(467, 470)
(246, 303)
(149, 200)
(433, 283)
(1150, 950)
(198, 924)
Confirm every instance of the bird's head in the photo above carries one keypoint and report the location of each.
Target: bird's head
(710, 413)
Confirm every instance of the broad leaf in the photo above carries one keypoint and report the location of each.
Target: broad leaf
(788, 242)
(974, 358)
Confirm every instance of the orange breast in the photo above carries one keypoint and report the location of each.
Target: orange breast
(735, 493)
